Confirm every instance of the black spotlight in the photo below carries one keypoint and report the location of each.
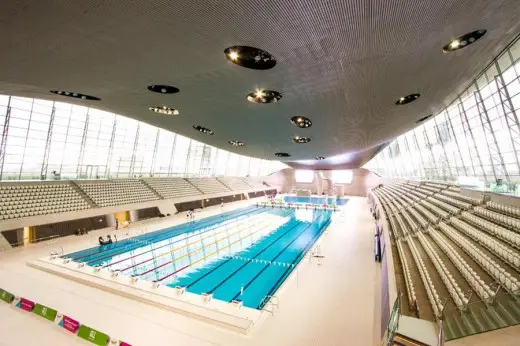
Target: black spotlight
(203, 130)
(407, 99)
(75, 95)
(282, 154)
(264, 96)
(163, 89)
(464, 41)
(250, 57)
(301, 122)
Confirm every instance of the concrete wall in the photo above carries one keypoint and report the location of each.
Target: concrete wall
(362, 181)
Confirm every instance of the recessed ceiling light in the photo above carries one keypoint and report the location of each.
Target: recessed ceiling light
(236, 143)
(75, 95)
(282, 154)
(250, 57)
(463, 41)
(163, 89)
(423, 119)
(203, 130)
(407, 99)
(301, 122)
(164, 110)
(319, 158)
(264, 96)
(301, 140)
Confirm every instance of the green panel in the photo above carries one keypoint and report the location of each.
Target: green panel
(45, 312)
(92, 335)
(6, 296)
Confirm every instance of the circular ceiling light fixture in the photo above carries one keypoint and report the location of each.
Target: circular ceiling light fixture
(75, 95)
(282, 154)
(407, 99)
(463, 41)
(319, 158)
(264, 96)
(250, 57)
(164, 110)
(203, 130)
(301, 122)
(301, 140)
(163, 89)
(423, 119)
(236, 143)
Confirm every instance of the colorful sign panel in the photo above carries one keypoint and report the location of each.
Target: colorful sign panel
(6, 296)
(45, 312)
(92, 335)
(69, 324)
(25, 304)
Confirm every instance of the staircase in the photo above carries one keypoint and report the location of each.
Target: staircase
(480, 317)
(196, 188)
(86, 197)
(151, 189)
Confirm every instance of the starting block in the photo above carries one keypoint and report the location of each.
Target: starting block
(180, 290)
(238, 303)
(206, 297)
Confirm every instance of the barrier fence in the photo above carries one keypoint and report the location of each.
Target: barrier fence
(66, 322)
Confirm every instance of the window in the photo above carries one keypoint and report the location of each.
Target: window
(304, 176)
(342, 176)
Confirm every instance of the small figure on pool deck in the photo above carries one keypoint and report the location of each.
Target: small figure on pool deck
(101, 241)
(117, 224)
(222, 207)
(192, 214)
(109, 241)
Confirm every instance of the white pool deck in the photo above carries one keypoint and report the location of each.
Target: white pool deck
(335, 303)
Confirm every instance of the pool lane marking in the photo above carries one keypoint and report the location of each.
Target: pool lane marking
(211, 254)
(295, 262)
(160, 233)
(181, 247)
(245, 264)
(169, 244)
(163, 237)
(296, 223)
(320, 231)
(200, 248)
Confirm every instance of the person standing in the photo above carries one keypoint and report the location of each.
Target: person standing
(222, 207)
(117, 224)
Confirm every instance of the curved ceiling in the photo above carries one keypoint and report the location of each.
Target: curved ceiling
(341, 63)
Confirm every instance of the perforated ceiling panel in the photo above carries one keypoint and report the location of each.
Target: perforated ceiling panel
(341, 63)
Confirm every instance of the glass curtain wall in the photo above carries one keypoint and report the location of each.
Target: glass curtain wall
(478, 135)
(52, 140)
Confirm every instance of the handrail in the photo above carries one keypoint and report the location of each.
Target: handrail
(440, 340)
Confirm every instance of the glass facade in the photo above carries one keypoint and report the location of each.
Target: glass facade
(51, 140)
(478, 135)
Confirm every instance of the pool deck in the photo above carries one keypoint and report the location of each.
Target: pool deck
(335, 303)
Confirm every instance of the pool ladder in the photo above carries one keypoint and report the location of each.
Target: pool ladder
(271, 301)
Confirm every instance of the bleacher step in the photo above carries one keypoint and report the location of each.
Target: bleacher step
(83, 194)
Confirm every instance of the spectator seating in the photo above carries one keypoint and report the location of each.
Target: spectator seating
(172, 187)
(410, 290)
(255, 184)
(234, 183)
(116, 191)
(33, 199)
(209, 185)
(448, 226)
(509, 210)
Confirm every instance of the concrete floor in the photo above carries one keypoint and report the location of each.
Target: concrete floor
(336, 303)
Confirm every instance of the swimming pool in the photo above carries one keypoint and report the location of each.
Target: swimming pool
(315, 200)
(244, 255)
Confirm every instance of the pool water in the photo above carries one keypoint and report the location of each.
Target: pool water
(244, 255)
(315, 200)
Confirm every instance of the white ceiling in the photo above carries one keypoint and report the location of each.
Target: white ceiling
(341, 63)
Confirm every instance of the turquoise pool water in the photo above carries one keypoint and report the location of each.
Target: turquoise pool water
(242, 255)
(315, 200)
